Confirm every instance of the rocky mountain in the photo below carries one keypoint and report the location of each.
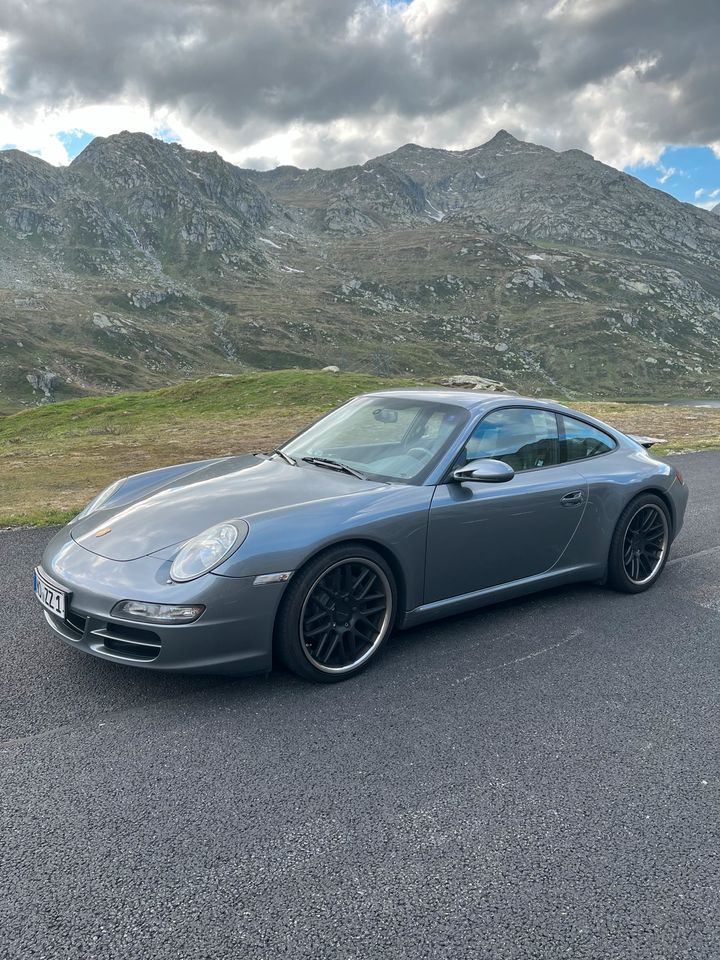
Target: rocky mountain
(142, 262)
(716, 209)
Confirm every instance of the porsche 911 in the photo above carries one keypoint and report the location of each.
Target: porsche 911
(394, 509)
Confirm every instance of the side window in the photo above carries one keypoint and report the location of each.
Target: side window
(523, 437)
(579, 440)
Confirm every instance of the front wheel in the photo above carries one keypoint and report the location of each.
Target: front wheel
(640, 544)
(337, 613)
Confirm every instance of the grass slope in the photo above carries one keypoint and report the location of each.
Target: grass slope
(54, 458)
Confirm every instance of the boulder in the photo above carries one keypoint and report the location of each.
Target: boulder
(475, 383)
(330, 369)
(44, 381)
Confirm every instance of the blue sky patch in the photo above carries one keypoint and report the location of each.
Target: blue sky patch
(74, 141)
(691, 174)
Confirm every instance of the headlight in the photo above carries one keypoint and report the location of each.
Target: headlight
(204, 552)
(101, 499)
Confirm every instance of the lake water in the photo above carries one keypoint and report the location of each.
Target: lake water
(677, 403)
(690, 403)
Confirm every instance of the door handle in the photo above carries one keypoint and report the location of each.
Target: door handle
(573, 499)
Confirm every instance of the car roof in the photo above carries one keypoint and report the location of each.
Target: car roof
(469, 399)
(477, 402)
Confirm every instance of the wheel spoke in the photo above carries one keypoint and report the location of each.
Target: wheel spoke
(347, 647)
(364, 620)
(647, 517)
(324, 649)
(371, 597)
(359, 641)
(323, 599)
(369, 610)
(363, 583)
(652, 537)
(312, 621)
(317, 630)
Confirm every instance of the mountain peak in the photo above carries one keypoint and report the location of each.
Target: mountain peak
(716, 209)
(502, 136)
(12, 154)
(27, 176)
(118, 142)
(411, 151)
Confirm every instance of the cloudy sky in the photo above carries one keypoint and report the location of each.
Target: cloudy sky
(331, 82)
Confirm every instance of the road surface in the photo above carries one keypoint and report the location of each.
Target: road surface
(536, 780)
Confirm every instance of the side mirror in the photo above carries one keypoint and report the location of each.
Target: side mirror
(484, 471)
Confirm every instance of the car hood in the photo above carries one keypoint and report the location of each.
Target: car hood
(237, 488)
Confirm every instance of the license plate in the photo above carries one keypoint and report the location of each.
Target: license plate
(49, 596)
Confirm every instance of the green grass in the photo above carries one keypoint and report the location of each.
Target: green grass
(54, 458)
(210, 397)
(37, 518)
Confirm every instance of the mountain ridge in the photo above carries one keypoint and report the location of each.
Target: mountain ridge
(142, 262)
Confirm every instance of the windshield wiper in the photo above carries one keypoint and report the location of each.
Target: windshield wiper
(335, 465)
(286, 457)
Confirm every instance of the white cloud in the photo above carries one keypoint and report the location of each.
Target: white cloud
(40, 133)
(328, 82)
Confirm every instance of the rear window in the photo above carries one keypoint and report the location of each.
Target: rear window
(579, 440)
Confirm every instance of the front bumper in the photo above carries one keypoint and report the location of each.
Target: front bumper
(233, 636)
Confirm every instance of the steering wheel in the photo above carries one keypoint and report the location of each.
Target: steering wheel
(420, 453)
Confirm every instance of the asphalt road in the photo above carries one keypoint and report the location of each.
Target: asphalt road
(537, 780)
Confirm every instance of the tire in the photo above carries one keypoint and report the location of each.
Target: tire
(336, 614)
(640, 544)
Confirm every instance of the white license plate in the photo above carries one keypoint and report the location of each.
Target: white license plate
(50, 597)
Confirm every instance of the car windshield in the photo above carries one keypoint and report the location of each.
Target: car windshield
(386, 438)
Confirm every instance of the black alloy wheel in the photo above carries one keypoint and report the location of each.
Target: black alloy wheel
(645, 543)
(337, 614)
(640, 544)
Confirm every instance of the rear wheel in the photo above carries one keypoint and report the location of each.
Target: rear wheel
(337, 613)
(640, 544)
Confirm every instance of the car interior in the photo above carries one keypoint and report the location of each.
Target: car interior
(402, 442)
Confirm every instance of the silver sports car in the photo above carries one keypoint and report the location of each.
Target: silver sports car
(394, 509)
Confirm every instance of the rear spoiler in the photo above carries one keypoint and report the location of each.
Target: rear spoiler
(646, 442)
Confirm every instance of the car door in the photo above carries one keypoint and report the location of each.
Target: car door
(485, 534)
